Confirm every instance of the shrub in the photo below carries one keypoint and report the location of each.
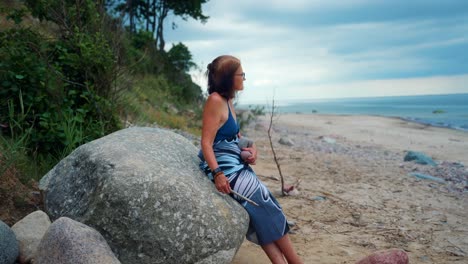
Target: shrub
(61, 83)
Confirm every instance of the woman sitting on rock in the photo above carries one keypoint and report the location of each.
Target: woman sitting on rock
(222, 162)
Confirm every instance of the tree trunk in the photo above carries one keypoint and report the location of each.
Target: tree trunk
(130, 14)
(146, 15)
(101, 7)
(154, 13)
(159, 31)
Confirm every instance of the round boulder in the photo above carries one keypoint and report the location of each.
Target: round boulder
(142, 189)
(29, 232)
(71, 242)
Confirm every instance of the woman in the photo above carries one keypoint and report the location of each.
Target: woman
(221, 161)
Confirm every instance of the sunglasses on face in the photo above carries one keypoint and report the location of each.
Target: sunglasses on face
(241, 74)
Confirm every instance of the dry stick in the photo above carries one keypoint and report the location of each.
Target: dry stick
(461, 250)
(245, 198)
(272, 114)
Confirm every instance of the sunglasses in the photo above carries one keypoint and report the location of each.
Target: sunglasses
(241, 74)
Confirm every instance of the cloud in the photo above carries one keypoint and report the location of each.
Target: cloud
(345, 48)
(366, 88)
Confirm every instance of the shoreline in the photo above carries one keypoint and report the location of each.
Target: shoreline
(409, 119)
(389, 132)
(434, 125)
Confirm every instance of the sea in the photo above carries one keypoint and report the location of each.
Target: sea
(443, 110)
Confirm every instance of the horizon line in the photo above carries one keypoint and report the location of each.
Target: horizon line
(348, 97)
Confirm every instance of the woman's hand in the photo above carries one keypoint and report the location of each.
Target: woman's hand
(222, 184)
(253, 158)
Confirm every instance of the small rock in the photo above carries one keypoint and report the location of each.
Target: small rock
(329, 140)
(318, 198)
(286, 141)
(391, 256)
(293, 192)
(29, 232)
(9, 249)
(419, 158)
(427, 177)
(245, 143)
(425, 258)
(68, 241)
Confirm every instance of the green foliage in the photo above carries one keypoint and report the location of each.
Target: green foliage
(179, 61)
(15, 150)
(16, 15)
(257, 110)
(141, 54)
(187, 9)
(180, 56)
(64, 83)
(142, 40)
(86, 62)
(67, 14)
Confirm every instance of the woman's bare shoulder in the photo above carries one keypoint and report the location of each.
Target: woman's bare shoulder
(215, 99)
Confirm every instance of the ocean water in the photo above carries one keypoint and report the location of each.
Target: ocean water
(447, 110)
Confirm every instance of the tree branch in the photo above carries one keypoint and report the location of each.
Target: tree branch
(272, 115)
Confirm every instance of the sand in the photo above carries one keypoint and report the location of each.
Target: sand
(354, 192)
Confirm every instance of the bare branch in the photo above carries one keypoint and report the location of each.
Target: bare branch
(272, 115)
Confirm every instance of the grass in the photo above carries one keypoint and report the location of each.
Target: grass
(14, 150)
(150, 102)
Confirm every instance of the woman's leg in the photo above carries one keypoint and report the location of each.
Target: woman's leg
(274, 253)
(285, 246)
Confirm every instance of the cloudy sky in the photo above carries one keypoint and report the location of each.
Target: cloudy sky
(312, 49)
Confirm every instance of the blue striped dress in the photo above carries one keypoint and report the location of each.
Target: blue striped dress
(267, 221)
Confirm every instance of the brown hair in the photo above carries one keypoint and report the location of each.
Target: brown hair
(221, 75)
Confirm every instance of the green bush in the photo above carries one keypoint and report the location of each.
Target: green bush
(61, 84)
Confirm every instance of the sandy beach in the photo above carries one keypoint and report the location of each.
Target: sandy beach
(354, 192)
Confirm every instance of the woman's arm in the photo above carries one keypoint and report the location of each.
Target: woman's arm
(212, 117)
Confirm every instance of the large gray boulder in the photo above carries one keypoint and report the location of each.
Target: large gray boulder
(8, 245)
(71, 242)
(142, 189)
(29, 232)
